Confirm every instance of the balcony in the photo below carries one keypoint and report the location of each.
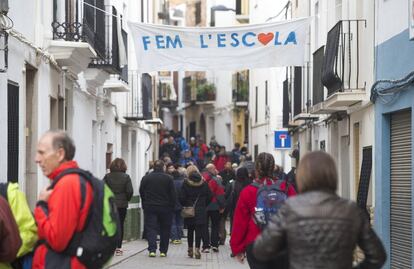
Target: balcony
(240, 84)
(70, 48)
(198, 91)
(206, 93)
(318, 104)
(167, 94)
(139, 105)
(78, 40)
(110, 61)
(341, 64)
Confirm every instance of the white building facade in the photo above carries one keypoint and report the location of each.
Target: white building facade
(68, 78)
(330, 106)
(266, 93)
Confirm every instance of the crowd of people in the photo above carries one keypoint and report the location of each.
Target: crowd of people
(277, 220)
(174, 148)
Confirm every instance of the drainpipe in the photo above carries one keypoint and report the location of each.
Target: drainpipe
(64, 70)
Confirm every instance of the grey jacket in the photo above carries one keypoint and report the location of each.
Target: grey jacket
(121, 185)
(320, 230)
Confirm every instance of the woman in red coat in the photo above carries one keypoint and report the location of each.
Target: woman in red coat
(245, 230)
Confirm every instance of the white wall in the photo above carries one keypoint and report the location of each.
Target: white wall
(397, 12)
(262, 131)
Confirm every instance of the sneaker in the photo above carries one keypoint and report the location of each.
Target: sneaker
(197, 254)
(163, 255)
(215, 249)
(119, 252)
(178, 242)
(206, 250)
(190, 252)
(152, 255)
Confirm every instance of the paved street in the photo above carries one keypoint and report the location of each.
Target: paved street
(177, 258)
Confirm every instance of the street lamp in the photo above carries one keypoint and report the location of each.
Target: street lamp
(213, 10)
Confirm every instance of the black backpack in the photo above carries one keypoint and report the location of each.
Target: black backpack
(96, 243)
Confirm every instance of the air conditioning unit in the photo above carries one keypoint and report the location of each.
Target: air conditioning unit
(4, 6)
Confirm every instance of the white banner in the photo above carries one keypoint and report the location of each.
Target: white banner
(171, 48)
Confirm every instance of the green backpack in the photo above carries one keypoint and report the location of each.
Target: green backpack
(95, 245)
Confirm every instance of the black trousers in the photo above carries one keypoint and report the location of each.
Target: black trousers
(122, 214)
(281, 262)
(200, 233)
(158, 219)
(213, 235)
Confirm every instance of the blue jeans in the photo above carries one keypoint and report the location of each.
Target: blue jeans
(177, 226)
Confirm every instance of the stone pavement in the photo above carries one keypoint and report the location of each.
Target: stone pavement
(136, 257)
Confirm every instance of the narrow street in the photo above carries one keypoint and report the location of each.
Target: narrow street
(136, 256)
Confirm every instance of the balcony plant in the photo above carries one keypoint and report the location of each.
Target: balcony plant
(206, 92)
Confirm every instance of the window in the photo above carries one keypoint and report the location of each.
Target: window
(266, 94)
(198, 13)
(256, 103)
(108, 157)
(12, 132)
(238, 7)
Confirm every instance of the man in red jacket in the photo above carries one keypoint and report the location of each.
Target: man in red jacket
(216, 206)
(60, 212)
(221, 159)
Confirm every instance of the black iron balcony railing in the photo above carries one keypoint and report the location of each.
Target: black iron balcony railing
(139, 98)
(111, 61)
(95, 29)
(341, 65)
(241, 86)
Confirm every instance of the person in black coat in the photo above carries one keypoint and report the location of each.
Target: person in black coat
(158, 197)
(196, 192)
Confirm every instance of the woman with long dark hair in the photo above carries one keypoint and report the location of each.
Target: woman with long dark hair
(242, 180)
(245, 230)
(317, 228)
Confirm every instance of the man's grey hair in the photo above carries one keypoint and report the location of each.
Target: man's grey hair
(61, 140)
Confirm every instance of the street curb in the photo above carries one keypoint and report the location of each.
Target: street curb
(126, 258)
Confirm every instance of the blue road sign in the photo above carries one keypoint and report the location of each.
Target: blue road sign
(282, 140)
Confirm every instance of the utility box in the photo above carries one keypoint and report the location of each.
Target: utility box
(4, 6)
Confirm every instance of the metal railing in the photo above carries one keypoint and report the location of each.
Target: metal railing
(111, 61)
(341, 65)
(139, 98)
(101, 31)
